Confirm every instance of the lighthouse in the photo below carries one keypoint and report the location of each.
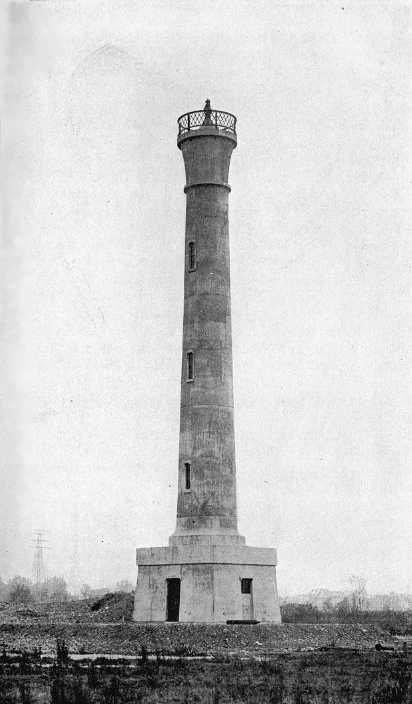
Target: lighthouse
(207, 573)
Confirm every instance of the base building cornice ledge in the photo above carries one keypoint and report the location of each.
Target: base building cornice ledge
(204, 554)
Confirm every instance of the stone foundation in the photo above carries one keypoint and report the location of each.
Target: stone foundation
(210, 577)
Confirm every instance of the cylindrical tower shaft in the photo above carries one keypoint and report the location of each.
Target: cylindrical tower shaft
(207, 473)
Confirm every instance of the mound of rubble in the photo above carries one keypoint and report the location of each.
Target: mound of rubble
(112, 608)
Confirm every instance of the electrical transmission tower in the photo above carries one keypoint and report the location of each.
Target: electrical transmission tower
(74, 579)
(39, 570)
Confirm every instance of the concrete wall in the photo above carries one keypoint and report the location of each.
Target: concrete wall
(199, 551)
(210, 593)
(206, 413)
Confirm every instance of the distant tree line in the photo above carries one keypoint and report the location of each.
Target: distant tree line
(20, 590)
(344, 612)
(351, 601)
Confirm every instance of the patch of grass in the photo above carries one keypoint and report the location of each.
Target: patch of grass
(314, 678)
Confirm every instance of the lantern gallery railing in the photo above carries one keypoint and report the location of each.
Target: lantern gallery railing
(222, 121)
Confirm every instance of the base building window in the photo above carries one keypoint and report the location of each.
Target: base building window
(246, 586)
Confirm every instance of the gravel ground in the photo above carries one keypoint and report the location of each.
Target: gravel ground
(189, 639)
(104, 626)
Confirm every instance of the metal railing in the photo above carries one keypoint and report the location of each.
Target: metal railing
(222, 121)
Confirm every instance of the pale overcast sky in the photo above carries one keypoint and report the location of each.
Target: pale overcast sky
(321, 255)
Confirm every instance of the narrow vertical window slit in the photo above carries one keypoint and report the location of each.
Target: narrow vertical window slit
(190, 366)
(192, 255)
(187, 476)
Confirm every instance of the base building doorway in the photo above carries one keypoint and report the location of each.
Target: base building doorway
(173, 599)
(247, 598)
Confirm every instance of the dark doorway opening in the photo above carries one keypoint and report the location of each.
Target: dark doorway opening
(173, 599)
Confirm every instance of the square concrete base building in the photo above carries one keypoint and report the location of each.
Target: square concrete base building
(207, 573)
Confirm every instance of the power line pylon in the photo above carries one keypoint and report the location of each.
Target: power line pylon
(39, 570)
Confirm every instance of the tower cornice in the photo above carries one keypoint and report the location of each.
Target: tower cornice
(207, 183)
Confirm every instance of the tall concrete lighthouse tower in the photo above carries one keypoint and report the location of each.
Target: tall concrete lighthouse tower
(207, 573)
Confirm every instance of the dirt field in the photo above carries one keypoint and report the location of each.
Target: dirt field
(127, 639)
(107, 629)
(288, 664)
(182, 639)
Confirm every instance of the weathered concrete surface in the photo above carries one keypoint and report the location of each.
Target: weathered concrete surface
(207, 438)
(200, 554)
(206, 552)
(210, 577)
